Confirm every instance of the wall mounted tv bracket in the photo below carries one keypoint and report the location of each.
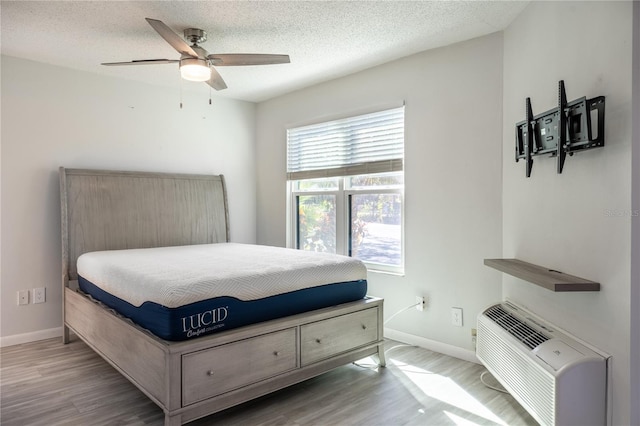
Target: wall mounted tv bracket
(571, 127)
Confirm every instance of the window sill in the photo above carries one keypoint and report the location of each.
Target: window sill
(371, 268)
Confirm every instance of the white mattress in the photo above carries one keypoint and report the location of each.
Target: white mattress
(177, 276)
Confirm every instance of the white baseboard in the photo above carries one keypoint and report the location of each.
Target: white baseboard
(432, 345)
(17, 339)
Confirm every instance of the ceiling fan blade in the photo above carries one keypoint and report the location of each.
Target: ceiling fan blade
(237, 59)
(216, 80)
(142, 62)
(171, 37)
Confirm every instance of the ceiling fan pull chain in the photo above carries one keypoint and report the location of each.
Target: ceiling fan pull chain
(180, 93)
(209, 95)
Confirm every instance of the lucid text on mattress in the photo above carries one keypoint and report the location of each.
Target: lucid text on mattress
(203, 322)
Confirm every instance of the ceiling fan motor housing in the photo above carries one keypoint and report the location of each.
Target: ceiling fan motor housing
(195, 35)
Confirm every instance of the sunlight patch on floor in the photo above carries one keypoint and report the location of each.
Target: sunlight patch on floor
(459, 421)
(446, 390)
(368, 362)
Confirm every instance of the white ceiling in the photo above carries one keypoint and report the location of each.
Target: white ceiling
(325, 39)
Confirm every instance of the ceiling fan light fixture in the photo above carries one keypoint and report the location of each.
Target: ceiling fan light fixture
(195, 69)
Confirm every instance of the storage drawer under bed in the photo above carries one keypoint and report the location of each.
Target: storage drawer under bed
(326, 338)
(214, 371)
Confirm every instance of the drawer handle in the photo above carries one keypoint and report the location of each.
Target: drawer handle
(364, 327)
(276, 353)
(210, 373)
(317, 340)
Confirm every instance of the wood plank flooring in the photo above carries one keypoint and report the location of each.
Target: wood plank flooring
(48, 383)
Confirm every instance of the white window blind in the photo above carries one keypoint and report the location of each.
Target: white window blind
(365, 144)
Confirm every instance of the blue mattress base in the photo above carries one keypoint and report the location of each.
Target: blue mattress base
(225, 313)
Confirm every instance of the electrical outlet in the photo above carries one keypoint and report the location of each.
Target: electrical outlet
(474, 335)
(23, 297)
(39, 295)
(456, 317)
(420, 303)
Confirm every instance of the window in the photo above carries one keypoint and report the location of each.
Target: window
(346, 186)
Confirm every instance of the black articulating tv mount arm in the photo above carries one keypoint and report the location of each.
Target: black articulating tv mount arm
(571, 127)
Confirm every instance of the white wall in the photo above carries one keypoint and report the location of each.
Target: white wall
(453, 186)
(634, 377)
(578, 222)
(54, 117)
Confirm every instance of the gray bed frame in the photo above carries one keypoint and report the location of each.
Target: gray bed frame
(108, 210)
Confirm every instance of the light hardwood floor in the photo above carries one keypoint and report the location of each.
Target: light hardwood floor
(48, 383)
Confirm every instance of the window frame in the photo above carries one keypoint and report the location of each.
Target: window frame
(370, 143)
(343, 218)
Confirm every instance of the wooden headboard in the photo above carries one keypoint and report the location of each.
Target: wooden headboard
(110, 210)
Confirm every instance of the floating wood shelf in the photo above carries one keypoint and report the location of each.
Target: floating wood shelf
(544, 277)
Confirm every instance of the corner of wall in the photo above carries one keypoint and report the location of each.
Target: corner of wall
(635, 223)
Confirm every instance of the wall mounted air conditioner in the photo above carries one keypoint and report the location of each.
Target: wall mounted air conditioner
(556, 378)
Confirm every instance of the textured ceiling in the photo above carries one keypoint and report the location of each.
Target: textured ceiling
(325, 39)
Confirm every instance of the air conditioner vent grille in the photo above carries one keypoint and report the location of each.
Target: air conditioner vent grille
(516, 327)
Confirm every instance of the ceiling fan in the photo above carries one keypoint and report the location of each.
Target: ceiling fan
(196, 64)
